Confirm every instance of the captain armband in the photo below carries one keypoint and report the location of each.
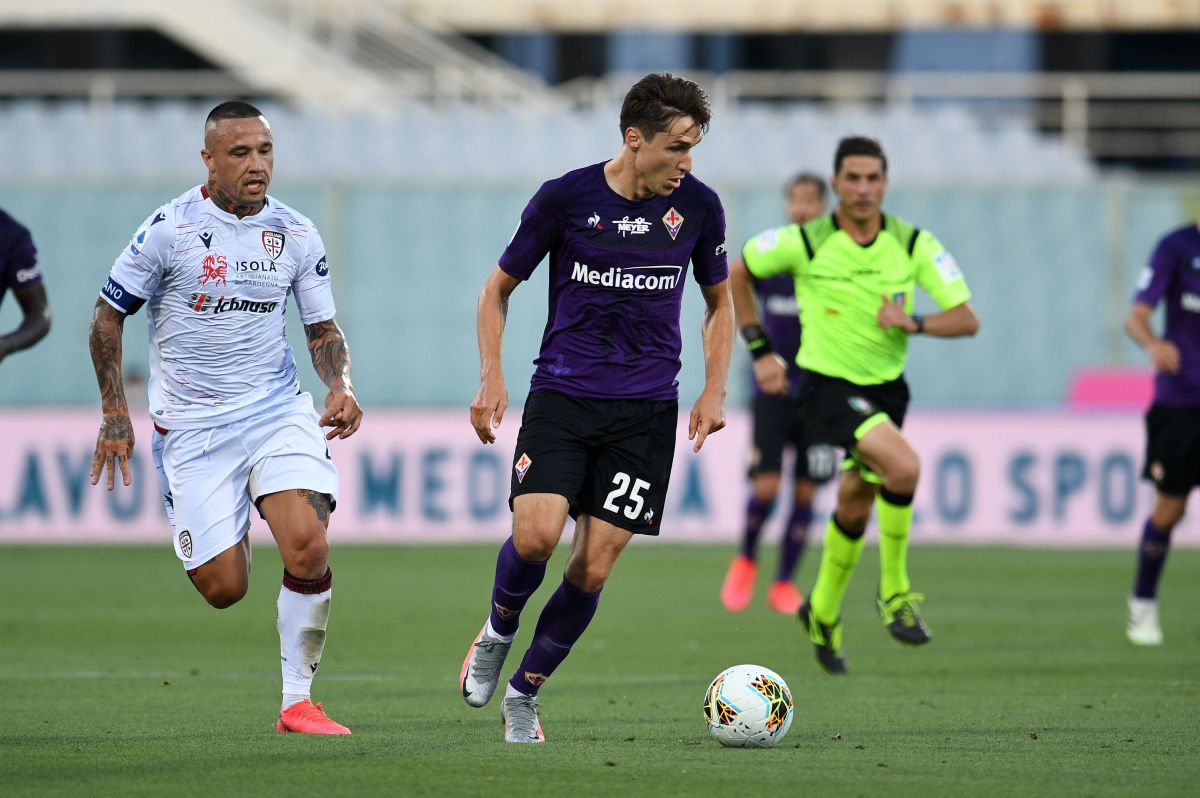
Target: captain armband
(756, 339)
(120, 297)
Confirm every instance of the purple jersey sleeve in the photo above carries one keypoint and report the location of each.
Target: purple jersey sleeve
(709, 258)
(1156, 276)
(532, 241)
(18, 257)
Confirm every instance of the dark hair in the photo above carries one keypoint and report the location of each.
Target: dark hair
(657, 100)
(858, 145)
(812, 178)
(231, 109)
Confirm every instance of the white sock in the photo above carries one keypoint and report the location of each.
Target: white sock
(301, 620)
(490, 632)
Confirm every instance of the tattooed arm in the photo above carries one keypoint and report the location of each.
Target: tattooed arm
(331, 359)
(114, 444)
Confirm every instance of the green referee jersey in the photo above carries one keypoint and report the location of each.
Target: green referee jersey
(840, 286)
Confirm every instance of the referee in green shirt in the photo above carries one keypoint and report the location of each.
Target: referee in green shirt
(856, 271)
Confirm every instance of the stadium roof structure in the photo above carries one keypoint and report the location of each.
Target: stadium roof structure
(782, 16)
(348, 55)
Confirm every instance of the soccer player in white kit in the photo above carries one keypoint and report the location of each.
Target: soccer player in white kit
(214, 268)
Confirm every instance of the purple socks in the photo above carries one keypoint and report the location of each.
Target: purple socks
(563, 619)
(516, 581)
(756, 514)
(792, 546)
(1152, 555)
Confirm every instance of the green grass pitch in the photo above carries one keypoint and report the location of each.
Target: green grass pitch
(118, 680)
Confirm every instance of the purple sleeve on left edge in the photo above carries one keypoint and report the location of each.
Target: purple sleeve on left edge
(1159, 270)
(533, 239)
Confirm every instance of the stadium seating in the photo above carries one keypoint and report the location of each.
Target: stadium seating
(418, 142)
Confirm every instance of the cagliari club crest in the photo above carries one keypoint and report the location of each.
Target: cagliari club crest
(272, 243)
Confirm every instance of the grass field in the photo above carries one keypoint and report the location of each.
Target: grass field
(118, 680)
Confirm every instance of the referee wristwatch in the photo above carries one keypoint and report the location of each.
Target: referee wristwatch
(918, 320)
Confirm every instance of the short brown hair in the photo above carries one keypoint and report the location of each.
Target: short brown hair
(657, 100)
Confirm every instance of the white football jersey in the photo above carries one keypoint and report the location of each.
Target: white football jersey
(215, 289)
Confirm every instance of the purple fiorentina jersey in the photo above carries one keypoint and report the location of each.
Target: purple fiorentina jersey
(781, 320)
(617, 270)
(1173, 277)
(18, 258)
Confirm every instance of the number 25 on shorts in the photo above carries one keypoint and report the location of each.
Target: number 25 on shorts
(633, 507)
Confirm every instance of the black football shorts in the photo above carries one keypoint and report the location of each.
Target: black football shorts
(610, 458)
(1173, 448)
(777, 425)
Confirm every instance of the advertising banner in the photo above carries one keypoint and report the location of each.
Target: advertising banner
(1024, 478)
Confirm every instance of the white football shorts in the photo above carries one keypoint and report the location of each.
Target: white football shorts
(210, 477)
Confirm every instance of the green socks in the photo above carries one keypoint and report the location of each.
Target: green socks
(895, 520)
(839, 558)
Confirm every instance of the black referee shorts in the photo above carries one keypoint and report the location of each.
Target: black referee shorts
(839, 412)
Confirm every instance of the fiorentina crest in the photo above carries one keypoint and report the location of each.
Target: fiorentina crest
(273, 243)
(673, 219)
(522, 466)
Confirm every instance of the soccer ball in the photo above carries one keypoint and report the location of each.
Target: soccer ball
(748, 706)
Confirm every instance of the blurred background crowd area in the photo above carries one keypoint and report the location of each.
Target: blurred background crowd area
(1048, 144)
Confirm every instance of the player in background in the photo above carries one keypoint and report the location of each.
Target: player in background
(856, 272)
(19, 271)
(598, 432)
(215, 268)
(777, 426)
(1173, 420)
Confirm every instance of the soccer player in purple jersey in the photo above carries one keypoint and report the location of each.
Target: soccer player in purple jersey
(777, 425)
(1173, 420)
(598, 432)
(19, 271)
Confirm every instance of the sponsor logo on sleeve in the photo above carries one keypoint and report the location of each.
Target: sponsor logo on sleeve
(272, 241)
(720, 250)
(673, 219)
(25, 275)
(158, 217)
(139, 241)
(946, 266)
(1144, 278)
(766, 240)
(1190, 302)
(322, 267)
